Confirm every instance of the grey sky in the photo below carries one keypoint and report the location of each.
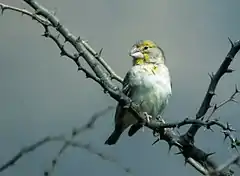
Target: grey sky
(42, 94)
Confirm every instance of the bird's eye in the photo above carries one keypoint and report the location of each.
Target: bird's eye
(145, 48)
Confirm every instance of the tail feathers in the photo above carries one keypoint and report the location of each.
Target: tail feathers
(113, 138)
(134, 128)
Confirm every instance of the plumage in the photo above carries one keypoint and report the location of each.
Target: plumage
(147, 83)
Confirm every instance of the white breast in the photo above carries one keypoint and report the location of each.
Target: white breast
(152, 90)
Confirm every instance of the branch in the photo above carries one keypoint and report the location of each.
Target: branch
(102, 75)
(230, 99)
(67, 143)
(113, 75)
(76, 42)
(196, 157)
(223, 69)
(75, 132)
(234, 160)
(4, 7)
(29, 149)
(74, 57)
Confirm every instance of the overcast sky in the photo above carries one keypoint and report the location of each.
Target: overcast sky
(42, 94)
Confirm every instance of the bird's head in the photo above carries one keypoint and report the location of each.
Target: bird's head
(146, 51)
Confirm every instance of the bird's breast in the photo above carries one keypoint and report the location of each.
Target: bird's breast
(151, 90)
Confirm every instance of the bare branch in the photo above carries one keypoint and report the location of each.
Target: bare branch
(75, 132)
(218, 106)
(235, 46)
(67, 143)
(78, 45)
(4, 7)
(234, 160)
(113, 75)
(29, 149)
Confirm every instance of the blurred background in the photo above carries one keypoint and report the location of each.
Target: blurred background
(42, 94)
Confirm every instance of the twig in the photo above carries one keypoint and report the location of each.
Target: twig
(76, 42)
(62, 138)
(28, 149)
(75, 132)
(24, 12)
(234, 160)
(223, 69)
(113, 75)
(218, 106)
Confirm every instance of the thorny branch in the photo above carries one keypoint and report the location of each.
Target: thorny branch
(113, 75)
(76, 131)
(230, 99)
(103, 74)
(223, 69)
(67, 143)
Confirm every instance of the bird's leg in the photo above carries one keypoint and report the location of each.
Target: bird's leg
(156, 133)
(147, 119)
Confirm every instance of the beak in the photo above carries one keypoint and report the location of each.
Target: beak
(136, 53)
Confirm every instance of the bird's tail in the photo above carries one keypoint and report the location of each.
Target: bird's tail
(113, 138)
(134, 128)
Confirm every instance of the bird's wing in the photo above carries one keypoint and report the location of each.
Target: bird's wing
(128, 91)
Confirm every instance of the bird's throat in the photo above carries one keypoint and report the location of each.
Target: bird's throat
(138, 61)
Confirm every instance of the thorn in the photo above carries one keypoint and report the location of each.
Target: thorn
(211, 93)
(46, 173)
(54, 161)
(215, 107)
(236, 89)
(234, 100)
(156, 141)
(211, 75)
(45, 34)
(62, 54)
(209, 154)
(78, 39)
(229, 70)
(58, 26)
(98, 55)
(178, 153)
(209, 128)
(226, 134)
(232, 45)
(155, 134)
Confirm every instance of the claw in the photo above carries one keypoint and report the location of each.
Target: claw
(147, 117)
(156, 141)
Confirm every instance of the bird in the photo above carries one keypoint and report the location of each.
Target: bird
(147, 83)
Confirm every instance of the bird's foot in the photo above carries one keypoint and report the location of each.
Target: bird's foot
(147, 117)
(160, 118)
